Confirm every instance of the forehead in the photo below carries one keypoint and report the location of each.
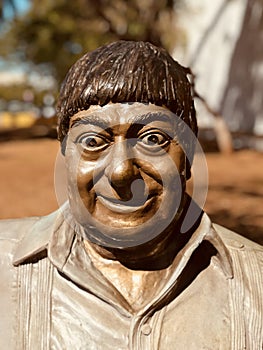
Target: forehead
(123, 113)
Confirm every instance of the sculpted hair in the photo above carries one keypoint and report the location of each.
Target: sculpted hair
(126, 71)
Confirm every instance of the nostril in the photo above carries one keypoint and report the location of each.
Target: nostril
(135, 193)
(139, 190)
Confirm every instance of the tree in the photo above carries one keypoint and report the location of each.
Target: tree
(245, 82)
(58, 32)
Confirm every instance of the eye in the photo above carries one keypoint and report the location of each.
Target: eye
(92, 142)
(153, 139)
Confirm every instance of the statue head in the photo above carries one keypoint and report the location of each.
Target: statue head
(124, 111)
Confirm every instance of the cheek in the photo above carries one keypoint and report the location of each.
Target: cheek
(163, 170)
(84, 176)
(172, 176)
(79, 174)
(81, 191)
(178, 157)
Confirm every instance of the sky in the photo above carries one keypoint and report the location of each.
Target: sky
(21, 6)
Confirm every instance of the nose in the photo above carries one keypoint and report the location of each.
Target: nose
(122, 170)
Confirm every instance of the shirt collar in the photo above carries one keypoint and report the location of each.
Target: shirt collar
(35, 242)
(55, 236)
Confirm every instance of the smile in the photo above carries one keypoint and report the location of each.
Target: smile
(122, 207)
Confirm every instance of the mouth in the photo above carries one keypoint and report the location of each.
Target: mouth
(122, 207)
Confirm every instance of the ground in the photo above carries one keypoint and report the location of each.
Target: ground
(234, 195)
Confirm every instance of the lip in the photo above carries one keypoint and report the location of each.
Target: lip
(122, 208)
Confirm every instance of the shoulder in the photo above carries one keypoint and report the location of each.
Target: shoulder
(246, 255)
(246, 293)
(12, 232)
(234, 240)
(26, 234)
(14, 229)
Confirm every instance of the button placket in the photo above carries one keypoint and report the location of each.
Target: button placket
(139, 333)
(146, 329)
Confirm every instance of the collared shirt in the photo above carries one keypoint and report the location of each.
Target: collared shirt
(211, 300)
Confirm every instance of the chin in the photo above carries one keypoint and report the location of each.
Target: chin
(125, 227)
(121, 233)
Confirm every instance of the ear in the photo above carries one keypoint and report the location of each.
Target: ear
(63, 145)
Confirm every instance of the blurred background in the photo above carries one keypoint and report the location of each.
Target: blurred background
(221, 41)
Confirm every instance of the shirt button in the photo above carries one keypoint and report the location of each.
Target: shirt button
(238, 245)
(146, 329)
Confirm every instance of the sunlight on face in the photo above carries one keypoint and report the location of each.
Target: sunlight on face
(125, 169)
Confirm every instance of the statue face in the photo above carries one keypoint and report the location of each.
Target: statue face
(125, 171)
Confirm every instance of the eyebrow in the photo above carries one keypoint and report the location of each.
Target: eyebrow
(150, 117)
(92, 119)
(104, 123)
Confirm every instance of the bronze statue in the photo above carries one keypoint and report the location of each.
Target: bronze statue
(122, 264)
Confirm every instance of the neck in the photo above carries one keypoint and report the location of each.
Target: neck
(156, 254)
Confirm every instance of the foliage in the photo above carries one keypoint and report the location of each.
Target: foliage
(58, 32)
(15, 92)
